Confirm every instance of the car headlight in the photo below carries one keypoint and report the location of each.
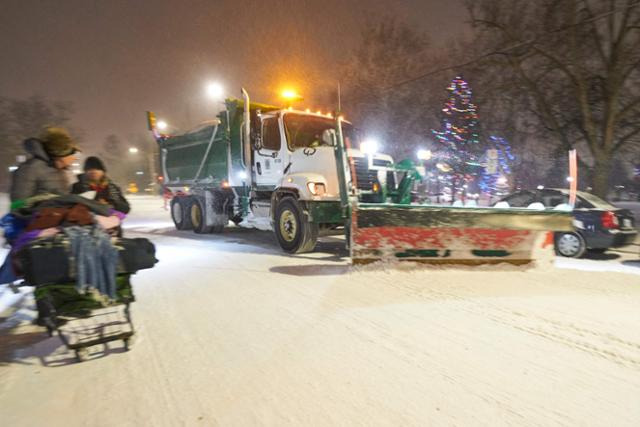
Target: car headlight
(316, 188)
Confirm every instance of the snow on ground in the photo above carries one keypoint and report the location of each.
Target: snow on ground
(232, 332)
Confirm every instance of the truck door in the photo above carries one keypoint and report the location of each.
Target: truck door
(269, 159)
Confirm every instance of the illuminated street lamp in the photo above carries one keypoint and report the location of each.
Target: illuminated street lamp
(424, 154)
(369, 146)
(133, 150)
(215, 90)
(162, 125)
(290, 96)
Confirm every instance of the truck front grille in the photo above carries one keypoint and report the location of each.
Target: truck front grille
(364, 176)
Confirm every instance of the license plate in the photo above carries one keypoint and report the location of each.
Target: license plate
(626, 223)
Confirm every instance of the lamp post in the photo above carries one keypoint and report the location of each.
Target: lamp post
(150, 158)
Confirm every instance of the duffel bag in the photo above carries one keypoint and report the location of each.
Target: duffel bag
(46, 261)
(136, 254)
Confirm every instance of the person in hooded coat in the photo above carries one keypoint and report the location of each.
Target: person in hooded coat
(46, 170)
(95, 179)
(52, 154)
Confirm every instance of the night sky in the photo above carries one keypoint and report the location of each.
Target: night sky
(116, 59)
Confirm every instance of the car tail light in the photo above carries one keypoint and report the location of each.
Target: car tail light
(609, 220)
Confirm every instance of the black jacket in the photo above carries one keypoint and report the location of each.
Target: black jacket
(108, 192)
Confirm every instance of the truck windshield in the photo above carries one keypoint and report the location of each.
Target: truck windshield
(306, 131)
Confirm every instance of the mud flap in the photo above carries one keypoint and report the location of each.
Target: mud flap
(445, 235)
(215, 216)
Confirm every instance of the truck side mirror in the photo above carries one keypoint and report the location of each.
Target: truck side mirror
(256, 134)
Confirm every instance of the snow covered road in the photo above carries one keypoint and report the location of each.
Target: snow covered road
(232, 332)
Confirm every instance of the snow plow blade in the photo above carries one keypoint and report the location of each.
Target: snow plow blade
(448, 235)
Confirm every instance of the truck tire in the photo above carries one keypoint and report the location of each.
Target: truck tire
(197, 214)
(181, 213)
(294, 232)
(199, 219)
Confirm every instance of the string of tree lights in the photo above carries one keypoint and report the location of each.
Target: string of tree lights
(459, 141)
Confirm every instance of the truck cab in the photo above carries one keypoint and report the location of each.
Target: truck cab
(294, 166)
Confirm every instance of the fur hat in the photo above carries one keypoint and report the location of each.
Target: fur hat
(94, 163)
(58, 143)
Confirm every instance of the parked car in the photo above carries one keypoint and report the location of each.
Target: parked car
(598, 224)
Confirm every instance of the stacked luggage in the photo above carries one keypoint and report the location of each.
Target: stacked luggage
(69, 249)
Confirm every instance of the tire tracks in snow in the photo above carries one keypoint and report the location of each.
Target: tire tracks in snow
(599, 344)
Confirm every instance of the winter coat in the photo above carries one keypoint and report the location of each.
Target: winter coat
(37, 175)
(106, 190)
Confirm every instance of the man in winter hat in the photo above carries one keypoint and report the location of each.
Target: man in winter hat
(95, 179)
(45, 172)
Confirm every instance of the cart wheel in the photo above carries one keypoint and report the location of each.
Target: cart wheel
(82, 354)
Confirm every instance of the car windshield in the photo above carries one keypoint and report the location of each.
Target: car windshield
(307, 131)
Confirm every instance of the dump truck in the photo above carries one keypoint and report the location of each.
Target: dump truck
(264, 166)
(300, 175)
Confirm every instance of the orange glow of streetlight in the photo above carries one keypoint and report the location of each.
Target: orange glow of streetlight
(290, 95)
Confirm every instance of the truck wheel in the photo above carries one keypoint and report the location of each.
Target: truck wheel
(571, 245)
(180, 213)
(294, 232)
(198, 218)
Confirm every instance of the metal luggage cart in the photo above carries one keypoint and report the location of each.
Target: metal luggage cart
(88, 327)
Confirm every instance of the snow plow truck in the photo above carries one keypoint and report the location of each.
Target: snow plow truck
(299, 174)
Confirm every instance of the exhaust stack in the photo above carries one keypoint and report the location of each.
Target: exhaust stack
(246, 133)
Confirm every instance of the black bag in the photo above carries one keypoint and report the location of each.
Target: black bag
(47, 261)
(44, 262)
(136, 254)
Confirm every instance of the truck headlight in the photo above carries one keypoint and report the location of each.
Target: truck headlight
(316, 188)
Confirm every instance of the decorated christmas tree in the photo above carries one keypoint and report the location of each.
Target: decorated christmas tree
(459, 150)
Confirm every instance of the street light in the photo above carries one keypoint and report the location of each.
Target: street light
(215, 90)
(369, 146)
(290, 96)
(133, 150)
(424, 154)
(162, 125)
